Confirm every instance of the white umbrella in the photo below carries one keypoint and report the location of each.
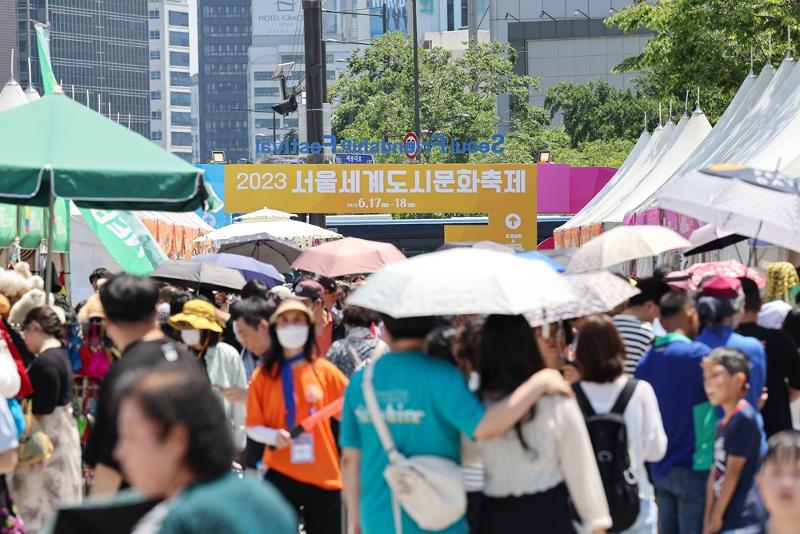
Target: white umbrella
(265, 214)
(463, 281)
(750, 202)
(624, 243)
(598, 292)
(302, 234)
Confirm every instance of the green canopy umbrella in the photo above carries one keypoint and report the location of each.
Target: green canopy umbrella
(56, 147)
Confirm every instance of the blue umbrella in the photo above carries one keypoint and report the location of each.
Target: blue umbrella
(250, 268)
(536, 255)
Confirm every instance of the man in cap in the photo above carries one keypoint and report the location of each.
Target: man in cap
(129, 305)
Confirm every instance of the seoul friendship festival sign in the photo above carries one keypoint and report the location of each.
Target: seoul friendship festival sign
(506, 192)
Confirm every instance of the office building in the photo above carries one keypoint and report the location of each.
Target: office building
(195, 120)
(170, 81)
(95, 47)
(224, 33)
(8, 39)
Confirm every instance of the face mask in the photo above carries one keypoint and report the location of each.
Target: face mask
(293, 336)
(191, 337)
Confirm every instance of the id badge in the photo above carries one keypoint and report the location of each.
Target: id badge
(303, 449)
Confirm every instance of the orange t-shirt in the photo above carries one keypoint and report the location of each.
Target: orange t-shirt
(315, 385)
(325, 336)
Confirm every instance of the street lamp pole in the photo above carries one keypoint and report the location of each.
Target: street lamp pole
(417, 131)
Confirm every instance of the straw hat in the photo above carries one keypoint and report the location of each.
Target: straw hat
(292, 305)
(199, 314)
(92, 309)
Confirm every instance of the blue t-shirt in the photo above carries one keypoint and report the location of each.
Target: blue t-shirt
(427, 406)
(672, 367)
(752, 348)
(739, 436)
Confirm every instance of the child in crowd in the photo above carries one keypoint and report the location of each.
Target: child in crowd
(732, 501)
(779, 482)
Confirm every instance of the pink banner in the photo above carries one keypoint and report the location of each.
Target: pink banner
(652, 216)
(687, 225)
(565, 189)
(671, 220)
(629, 219)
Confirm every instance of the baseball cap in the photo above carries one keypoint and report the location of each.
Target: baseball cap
(282, 292)
(327, 283)
(309, 289)
(722, 287)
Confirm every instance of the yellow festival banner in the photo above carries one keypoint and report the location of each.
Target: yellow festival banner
(505, 192)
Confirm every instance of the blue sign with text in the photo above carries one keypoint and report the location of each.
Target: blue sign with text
(353, 158)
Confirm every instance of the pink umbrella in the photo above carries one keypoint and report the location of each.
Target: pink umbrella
(699, 271)
(347, 256)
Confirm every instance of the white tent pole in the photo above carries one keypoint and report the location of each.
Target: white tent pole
(87, 98)
(686, 104)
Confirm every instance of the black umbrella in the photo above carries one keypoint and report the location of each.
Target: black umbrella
(197, 274)
(708, 238)
(277, 253)
(115, 516)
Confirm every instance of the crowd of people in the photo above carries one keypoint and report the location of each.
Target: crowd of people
(286, 409)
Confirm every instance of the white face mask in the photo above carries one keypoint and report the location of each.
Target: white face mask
(292, 336)
(191, 337)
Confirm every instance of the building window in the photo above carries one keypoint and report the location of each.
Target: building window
(180, 99)
(181, 139)
(181, 118)
(267, 91)
(156, 135)
(177, 18)
(154, 14)
(264, 106)
(155, 54)
(155, 95)
(330, 74)
(261, 75)
(290, 123)
(155, 115)
(179, 38)
(155, 74)
(180, 79)
(264, 123)
(179, 59)
(155, 34)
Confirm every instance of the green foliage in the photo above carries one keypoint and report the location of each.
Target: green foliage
(705, 44)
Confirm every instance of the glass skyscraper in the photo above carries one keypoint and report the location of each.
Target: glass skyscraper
(224, 36)
(99, 46)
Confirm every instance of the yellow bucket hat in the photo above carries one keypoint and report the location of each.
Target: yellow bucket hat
(199, 314)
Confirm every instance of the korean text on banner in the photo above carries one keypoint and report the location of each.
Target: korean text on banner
(128, 240)
(506, 192)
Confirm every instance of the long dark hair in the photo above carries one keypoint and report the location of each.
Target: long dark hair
(274, 359)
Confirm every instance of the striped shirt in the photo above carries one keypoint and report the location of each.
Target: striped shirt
(637, 335)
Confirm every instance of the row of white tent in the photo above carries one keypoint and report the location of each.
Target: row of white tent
(760, 128)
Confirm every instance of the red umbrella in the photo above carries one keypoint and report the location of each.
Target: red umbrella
(347, 256)
(699, 271)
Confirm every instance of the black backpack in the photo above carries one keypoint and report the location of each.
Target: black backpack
(610, 443)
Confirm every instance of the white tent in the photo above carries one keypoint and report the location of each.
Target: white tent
(695, 129)
(302, 234)
(88, 253)
(12, 95)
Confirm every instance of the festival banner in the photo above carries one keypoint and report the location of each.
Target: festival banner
(127, 240)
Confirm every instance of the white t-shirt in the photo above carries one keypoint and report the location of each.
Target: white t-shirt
(646, 437)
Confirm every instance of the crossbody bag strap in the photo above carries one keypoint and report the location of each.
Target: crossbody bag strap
(353, 354)
(375, 413)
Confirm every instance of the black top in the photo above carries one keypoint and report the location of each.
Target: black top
(52, 381)
(139, 357)
(783, 365)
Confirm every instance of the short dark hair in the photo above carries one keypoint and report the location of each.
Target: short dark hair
(600, 353)
(731, 359)
(439, 343)
(252, 310)
(409, 327)
(752, 296)
(178, 298)
(255, 288)
(674, 302)
(358, 316)
(46, 318)
(784, 448)
(327, 283)
(652, 289)
(176, 394)
(129, 299)
(98, 274)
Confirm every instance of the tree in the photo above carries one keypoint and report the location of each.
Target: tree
(705, 44)
(457, 93)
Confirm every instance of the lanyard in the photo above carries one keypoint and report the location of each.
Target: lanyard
(287, 386)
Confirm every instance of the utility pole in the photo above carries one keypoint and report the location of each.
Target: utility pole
(417, 130)
(312, 29)
(472, 21)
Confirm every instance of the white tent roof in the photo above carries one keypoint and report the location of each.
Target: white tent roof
(12, 95)
(780, 141)
(265, 214)
(32, 94)
(687, 139)
(630, 161)
(282, 229)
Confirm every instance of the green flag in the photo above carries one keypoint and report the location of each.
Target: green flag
(43, 48)
(8, 224)
(127, 240)
(31, 227)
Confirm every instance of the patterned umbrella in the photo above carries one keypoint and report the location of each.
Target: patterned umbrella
(599, 292)
(700, 271)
